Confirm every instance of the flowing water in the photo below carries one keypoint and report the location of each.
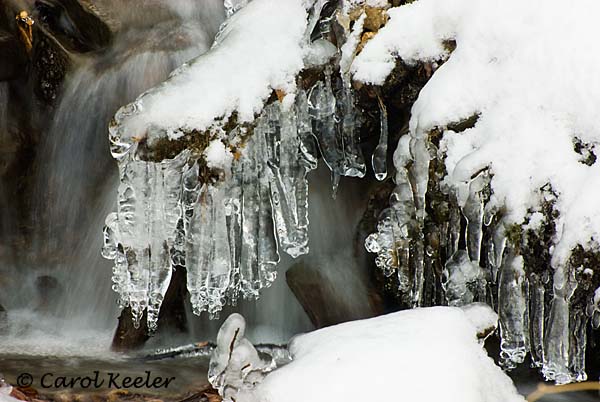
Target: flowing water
(58, 288)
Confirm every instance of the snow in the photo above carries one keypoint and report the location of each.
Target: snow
(429, 354)
(529, 70)
(258, 50)
(5, 391)
(218, 156)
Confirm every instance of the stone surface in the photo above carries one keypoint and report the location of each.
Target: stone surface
(3, 320)
(318, 296)
(13, 55)
(172, 317)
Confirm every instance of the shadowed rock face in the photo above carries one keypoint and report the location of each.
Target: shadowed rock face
(3, 320)
(319, 295)
(13, 56)
(172, 317)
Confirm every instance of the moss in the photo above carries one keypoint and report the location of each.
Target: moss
(514, 235)
(464, 124)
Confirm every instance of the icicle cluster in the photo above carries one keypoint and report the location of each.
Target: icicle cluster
(452, 246)
(227, 233)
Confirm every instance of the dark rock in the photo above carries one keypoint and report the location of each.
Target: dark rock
(172, 317)
(48, 290)
(127, 337)
(50, 65)
(73, 24)
(3, 320)
(319, 296)
(13, 55)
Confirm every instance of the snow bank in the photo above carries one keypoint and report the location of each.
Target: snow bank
(429, 354)
(529, 69)
(258, 50)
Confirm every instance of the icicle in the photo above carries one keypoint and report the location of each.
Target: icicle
(289, 187)
(419, 172)
(512, 310)
(556, 338)
(314, 17)
(259, 252)
(208, 255)
(139, 237)
(537, 293)
(322, 104)
(392, 241)
(473, 212)
(354, 161)
(497, 245)
(593, 309)
(379, 159)
(578, 341)
(465, 280)
(233, 6)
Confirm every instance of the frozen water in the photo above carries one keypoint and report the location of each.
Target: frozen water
(235, 365)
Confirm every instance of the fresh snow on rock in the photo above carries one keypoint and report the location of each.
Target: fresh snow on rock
(257, 51)
(427, 354)
(529, 70)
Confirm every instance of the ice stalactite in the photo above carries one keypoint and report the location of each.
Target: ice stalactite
(394, 237)
(512, 310)
(228, 227)
(336, 127)
(465, 280)
(141, 235)
(379, 158)
(542, 310)
(537, 303)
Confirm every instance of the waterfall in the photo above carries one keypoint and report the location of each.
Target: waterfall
(60, 275)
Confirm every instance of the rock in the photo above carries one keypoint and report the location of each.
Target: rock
(50, 65)
(319, 296)
(172, 317)
(127, 337)
(74, 24)
(13, 55)
(3, 320)
(48, 290)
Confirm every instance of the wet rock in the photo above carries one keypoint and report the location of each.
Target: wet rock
(322, 299)
(3, 320)
(50, 65)
(172, 317)
(48, 290)
(13, 55)
(127, 337)
(74, 24)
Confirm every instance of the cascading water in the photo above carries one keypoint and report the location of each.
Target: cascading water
(75, 179)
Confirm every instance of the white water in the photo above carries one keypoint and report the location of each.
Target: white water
(75, 180)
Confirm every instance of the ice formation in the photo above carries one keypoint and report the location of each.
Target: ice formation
(506, 203)
(225, 212)
(470, 219)
(235, 365)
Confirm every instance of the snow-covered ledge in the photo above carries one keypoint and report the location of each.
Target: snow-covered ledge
(427, 354)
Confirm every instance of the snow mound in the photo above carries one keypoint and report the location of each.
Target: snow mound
(427, 354)
(528, 69)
